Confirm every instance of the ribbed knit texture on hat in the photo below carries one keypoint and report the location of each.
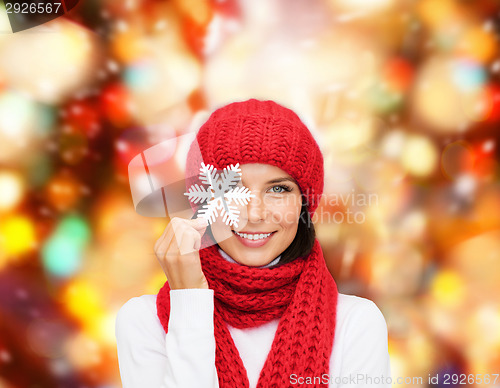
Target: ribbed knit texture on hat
(256, 131)
(302, 293)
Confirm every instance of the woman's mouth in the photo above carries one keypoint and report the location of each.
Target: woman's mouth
(253, 240)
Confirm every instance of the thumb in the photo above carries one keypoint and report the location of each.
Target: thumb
(200, 224)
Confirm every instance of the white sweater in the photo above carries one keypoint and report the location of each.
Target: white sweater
(185, 356)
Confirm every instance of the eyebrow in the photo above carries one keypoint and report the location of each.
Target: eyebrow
(278, 180)
(283, 179)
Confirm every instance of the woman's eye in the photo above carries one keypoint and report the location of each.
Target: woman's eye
(279, 189)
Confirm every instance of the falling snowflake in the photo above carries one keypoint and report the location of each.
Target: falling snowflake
(222, 191)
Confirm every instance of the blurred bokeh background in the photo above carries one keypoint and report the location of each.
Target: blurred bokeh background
(402, 95)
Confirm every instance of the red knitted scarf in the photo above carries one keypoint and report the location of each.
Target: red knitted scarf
(301, 293)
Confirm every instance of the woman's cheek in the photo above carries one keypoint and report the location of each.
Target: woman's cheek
(286, 216)
(221, 231)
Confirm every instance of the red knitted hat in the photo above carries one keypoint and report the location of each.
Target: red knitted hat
(256, 131)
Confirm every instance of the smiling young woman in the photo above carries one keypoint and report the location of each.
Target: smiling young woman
(257, 307)
(268, 224)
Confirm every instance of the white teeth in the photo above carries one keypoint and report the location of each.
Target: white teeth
(253, 236)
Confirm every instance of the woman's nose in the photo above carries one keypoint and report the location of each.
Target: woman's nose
(255, 211)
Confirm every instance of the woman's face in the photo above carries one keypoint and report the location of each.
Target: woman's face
(268, 224)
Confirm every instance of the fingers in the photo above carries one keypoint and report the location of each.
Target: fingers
(181, 233)
(189, 240)
(177, 251)
(197, 223)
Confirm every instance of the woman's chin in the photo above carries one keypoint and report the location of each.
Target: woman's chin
(252, 263)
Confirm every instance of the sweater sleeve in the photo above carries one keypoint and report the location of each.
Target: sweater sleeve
(365, 356)
(184, 357)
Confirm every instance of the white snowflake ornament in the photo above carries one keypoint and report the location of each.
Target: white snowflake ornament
(219, 195)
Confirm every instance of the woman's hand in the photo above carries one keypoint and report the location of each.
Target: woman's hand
(177, 251)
